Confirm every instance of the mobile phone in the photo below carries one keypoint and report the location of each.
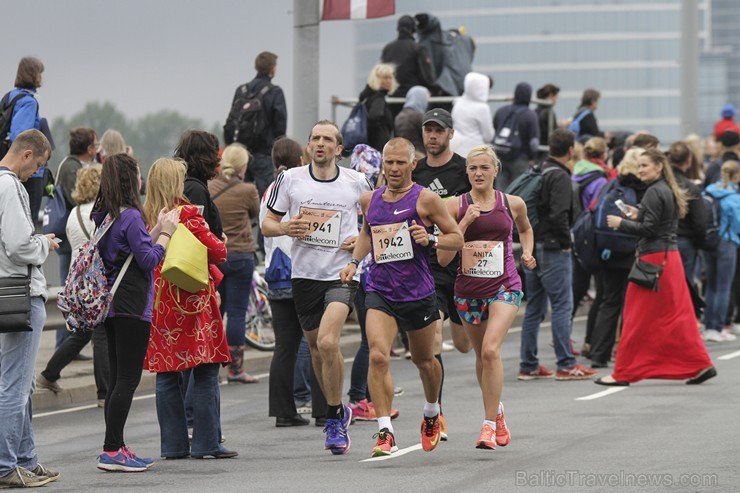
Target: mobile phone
(622, 207)
(57, 240)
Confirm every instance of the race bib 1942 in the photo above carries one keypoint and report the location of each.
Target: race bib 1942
(483, 259)
(391, 242)
(324, 227)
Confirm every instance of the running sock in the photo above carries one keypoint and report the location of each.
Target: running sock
(492, 424)
(500, 409)
(442, 381)
(335, 412)
(431, 409)
(385, 422)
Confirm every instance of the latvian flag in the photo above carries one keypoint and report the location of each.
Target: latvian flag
(357, 9)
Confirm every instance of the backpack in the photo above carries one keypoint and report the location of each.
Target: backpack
(507, 143)
(583, 234)
(578, 187)
(56, 212)
(608, 241)
(6, 117)
(86, 299)
(528, 187)
(354, 129)
(714, 217)
(247, 120)
(575, 125)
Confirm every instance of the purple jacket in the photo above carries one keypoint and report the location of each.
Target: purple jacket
(135, 295)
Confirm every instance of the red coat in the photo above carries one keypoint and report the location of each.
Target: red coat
(178, 341)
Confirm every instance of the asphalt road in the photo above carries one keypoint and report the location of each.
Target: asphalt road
(652, 436)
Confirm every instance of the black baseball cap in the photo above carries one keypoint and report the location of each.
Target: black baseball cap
(438, 116)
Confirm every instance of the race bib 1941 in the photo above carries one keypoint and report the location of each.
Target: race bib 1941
(483, 259)
(391, 242)
(324, 227)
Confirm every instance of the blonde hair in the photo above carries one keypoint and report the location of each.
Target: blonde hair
(378, 72)
(629, 165)
(730, 169)
(112, 143)
(233, 161)
(595, 148)
(164, 187)
(87, 184)
(484, 150)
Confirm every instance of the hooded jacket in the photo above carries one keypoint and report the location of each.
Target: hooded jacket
(729, 221)
(472, 115)
(379, 117)
(408, 121)
(592, 179)
(412, 61)
(529, 128)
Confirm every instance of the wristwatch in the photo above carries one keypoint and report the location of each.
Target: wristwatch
(432, 240)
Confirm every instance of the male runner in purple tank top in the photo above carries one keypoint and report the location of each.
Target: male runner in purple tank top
(400, 288)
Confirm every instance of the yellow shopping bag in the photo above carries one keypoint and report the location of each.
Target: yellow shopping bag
(186, 261)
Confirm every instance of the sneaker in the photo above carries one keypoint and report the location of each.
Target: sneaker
(718, 336)
(148, 462)
(365, 411)
(397, 391)
(540, 372)
(45, 383)
(242, 377)
(442, 427)
(386, 443)
(22, 478)
(407, 354)
(447, 346)
(575, 372)
(395, 355)
(486, 440)
(304, 407)
(40, 470)
(337, 438)
(120, 462)
(735, 329)
(430, 433)
(503, 436)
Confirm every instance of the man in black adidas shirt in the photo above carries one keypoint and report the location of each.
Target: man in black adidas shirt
(443, 172)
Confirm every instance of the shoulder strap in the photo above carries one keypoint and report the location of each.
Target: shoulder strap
(9, 103)
(81, 223)
(121, 274)
(506, 204)
(59, 171)
(224, 189)
(582, 115)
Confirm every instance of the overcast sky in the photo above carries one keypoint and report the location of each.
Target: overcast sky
(149, 55)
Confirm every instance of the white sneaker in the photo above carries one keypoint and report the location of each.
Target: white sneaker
(735, 329)
(727, 336)
(447, 346)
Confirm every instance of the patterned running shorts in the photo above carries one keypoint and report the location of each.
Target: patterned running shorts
(475, 311)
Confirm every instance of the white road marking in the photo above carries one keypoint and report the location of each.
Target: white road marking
(402, 451)
(729, 356)
(603, 393)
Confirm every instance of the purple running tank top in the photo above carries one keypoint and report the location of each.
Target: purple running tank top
(399, 267)
(486, 260)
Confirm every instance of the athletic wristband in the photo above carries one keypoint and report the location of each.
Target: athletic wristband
(355, 261)
(166, 234)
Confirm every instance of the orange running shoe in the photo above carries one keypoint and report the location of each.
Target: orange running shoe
(503, 436)
(486, 440)
(430, 433)
(442, 427)
(386, 443)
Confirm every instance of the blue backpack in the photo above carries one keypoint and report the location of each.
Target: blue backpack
(575, 125)
(354, 130)
(583, 234)
(608, 241)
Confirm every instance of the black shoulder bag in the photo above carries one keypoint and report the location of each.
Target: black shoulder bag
(15, 303)
(646, 274)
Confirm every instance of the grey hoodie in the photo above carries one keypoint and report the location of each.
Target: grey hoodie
(19, 245)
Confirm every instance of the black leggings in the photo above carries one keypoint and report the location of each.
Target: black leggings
(128, 340)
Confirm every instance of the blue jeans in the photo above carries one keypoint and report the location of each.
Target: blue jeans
(17, 360)
(235, 289)
(173, 427)
(720, 269)
(688, 257)
(551, 280)
(302, 373)
(358, 379)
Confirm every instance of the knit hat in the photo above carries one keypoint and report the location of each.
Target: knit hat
(728, 111)
(366, 160)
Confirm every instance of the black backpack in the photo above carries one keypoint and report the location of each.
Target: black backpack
(6, 117)
(507, 143)
(247, 120)
(714, 216)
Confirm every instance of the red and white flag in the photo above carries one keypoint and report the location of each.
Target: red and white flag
(357, 9)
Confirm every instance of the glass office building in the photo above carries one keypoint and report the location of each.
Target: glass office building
(628, 50)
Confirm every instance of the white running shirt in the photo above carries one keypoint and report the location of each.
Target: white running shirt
(331, 206)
